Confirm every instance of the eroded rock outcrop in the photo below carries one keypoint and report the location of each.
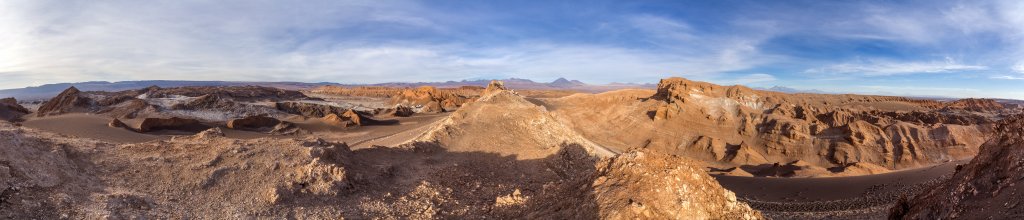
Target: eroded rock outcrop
(348, 119)
(10, 110)
(741, 126)
(253, 123)
(402, 111)
(206, 102)
(978, 105)
(174, 123)
(70, 100)
(312, 110)
(647, 185)
(243, 93)
(991, 186)
(502, 118)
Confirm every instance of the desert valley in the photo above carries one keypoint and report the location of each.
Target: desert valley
(399, 109)
(683, 149)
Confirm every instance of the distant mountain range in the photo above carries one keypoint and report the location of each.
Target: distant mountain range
(517, 83)
(50, 90)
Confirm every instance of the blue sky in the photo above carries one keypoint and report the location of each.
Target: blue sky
(933, 48)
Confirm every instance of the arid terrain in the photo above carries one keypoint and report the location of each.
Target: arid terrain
(561, 150)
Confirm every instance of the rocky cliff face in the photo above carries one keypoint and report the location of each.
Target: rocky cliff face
(435, 100)
(991, 186)
(739, 126)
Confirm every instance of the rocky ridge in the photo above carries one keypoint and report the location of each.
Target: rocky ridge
(735, 126)
(991, 185)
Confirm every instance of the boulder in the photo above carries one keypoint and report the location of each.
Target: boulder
(402, 111)
(10, 110)
(432, 107)
(494, 86)
(174, 123)
(253, 123)
(115, 123)
(354, 117)
(339, 121)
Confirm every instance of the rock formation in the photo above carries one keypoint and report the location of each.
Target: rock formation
(977, 105)
(174, 123)
(115, 123)
(991, 186)
(736, 125)
(494, 86)
(70, 100)
(528, 127)
(649, 185)
(10, 110)
(344, 120)
(402, 111)
(309, 109)
(238, 93)
(434, 100)
(253, 123)
(206, 102)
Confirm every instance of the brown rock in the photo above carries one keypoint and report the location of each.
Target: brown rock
(10, 110)
(68, 101)
(174, 123)
(340, 121)
(432, 107)
(648, 174)
(991, 186)
(206, 102)
(253, 123)
(976, 105)
(494, 86)
(403, 111)
(115, 123)
(309, 109)
(287, 128)
(354, 117)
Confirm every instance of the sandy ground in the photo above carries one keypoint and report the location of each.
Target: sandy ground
(91, 126)
(406, 129)
(857, 197)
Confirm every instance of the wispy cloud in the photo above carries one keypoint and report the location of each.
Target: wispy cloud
(921, 91)
(888, 68)
(1009, 77)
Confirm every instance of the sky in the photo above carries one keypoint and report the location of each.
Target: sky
(917, 48)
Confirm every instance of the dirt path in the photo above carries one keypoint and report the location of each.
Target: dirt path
(857, 197)
(400, 137)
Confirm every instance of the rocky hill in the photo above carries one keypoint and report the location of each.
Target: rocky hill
(735, 126)
(990, 186)
(501, 119)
